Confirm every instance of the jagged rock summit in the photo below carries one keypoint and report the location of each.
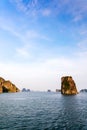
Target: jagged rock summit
(68, 86)
(7, 86)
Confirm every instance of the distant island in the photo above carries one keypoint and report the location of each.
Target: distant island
(68, 86)
(83, 90)
(7, 86)
(48, 90)
(25, 90)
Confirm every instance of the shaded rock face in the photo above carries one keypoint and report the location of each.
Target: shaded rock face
(7, 86)
(68, 86)
(58, 90)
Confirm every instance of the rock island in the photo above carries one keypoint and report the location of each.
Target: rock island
(68, 86)
(7, 86)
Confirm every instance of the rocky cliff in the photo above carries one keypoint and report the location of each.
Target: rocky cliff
(7, 86)
(68, 86)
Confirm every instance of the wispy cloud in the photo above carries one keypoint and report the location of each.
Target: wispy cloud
(23, 52)
(34, 7)
(9, 26)
(77, 18)
(77, 9)
(83, 30)
(83, 45)
(29, 38)
(30, 8)
(46, 12)
(34, 34)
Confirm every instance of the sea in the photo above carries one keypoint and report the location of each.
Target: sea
(43, 111)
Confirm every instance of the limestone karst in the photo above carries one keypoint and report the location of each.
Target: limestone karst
(7, 86)
(68, 86)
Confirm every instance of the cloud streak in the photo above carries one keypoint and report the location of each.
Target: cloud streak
(54, 7)
(29, 39)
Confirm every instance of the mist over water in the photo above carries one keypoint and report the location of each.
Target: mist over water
(43, 111)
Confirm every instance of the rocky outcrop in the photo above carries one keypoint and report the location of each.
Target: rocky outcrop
(83, 90)
(25, 90)
(58, 90)
(48, 90)
(68, 86)
(7, 86)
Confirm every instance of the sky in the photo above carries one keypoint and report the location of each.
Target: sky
(43, 40)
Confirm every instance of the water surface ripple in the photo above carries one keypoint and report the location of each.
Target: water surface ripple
(43, 111)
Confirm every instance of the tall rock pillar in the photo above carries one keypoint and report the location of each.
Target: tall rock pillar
(68, 86)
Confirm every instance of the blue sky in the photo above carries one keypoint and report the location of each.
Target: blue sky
(43, 40)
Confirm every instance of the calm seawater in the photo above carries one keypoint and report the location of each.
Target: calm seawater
(43, 111)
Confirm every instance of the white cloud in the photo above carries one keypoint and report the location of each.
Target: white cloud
(23, 34)
(77, 18)
(29, 7)
(46, 75)
(77, 9)
(9, 25)
(20, 5)
(28, 39)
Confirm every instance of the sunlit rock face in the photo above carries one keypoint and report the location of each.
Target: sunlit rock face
(68, 86)
(1, 80)
(7, 86)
